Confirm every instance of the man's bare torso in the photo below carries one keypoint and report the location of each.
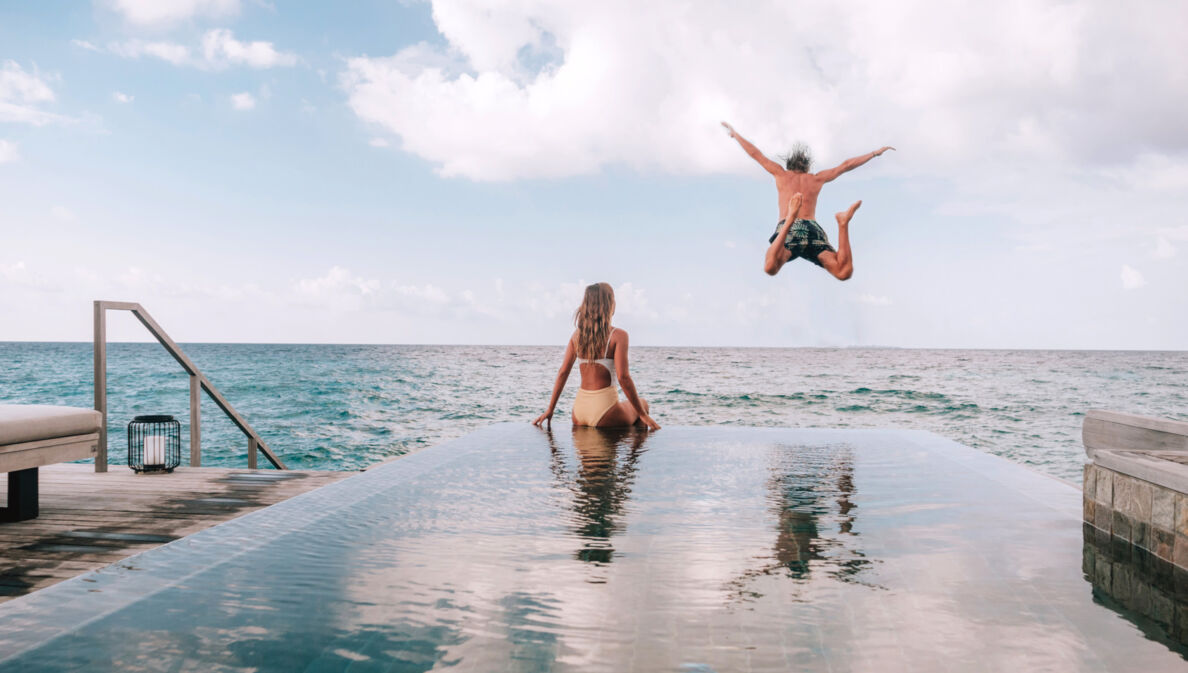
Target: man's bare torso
(807, 184)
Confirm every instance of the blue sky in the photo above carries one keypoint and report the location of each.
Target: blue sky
(455, 172)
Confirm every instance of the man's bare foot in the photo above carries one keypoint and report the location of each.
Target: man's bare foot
(793, 207)
(843, 219)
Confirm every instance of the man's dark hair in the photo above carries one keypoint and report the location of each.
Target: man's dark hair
(799, 159)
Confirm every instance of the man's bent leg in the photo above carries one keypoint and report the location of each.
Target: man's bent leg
(841, 263)
(777, 255)
(828, 261)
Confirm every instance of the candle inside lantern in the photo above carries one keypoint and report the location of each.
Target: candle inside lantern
(154, 450)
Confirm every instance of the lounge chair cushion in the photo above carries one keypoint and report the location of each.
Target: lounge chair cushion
(31, 422)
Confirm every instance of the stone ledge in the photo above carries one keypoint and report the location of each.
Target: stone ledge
(1112, 430)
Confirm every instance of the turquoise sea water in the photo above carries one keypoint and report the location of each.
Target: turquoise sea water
(346, 407)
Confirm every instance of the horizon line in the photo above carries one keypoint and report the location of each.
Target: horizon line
(552, 345)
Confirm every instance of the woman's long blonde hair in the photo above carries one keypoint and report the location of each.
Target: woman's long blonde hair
(593, 320)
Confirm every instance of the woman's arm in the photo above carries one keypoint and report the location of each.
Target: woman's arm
(627, 384)
(562, 376)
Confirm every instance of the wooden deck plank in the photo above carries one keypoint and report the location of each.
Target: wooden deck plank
(91, 519)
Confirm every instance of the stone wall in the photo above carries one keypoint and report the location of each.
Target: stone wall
(1146, 515)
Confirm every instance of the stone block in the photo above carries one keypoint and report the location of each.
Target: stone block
(1140, 534)
(1180, 627)
(1122, 492)
(1104, 490)
(1180, 587)
(1120, 526)
(1103, 517)
(1090, 481)
(1180, 553)
(1181, 514)
(1163, 544)
(1103, 571)
(1163, 508)
(1132, 497)
(1163, 608)
(1141, 502)
(1101, 537)
(1140, 600)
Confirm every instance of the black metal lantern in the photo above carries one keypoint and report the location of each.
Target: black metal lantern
(154, 443)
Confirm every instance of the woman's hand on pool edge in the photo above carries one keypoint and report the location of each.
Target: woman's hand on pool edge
(546, 417)
(652, 425)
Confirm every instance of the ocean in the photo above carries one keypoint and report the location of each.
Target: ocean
(344, 407)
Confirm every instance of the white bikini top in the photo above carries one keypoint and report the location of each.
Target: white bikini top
(607, 362)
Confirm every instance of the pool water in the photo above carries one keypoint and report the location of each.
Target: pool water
(690, 549)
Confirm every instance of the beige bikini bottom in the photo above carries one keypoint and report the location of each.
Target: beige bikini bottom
(591, 405)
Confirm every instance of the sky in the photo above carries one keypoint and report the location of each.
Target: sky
(457, 171)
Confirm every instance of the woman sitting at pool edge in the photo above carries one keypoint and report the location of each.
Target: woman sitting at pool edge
(602, 349)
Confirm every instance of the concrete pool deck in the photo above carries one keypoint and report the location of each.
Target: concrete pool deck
(691, 549)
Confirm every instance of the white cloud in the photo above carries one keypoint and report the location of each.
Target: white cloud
(243, 101)
(219, 50)
(166, 51)
(1163, 249)
(18, 274)
(8, 151)
(378, 142)
(159, 13)
(527, 89)
(62, 213)
(1156, 172)
(21, 95)
(340, 289)
(1131, 278)
(219, 47)
(337, 284)
(85, 45)
(121, 97)
(632, 302)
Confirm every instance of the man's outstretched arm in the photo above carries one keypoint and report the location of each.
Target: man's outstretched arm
(767, 164)
(850, 164)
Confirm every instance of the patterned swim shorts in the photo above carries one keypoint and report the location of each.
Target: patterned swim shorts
(805, 239)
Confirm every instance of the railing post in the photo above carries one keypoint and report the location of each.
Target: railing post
(195, 421)
(251, 452)
(101, 383)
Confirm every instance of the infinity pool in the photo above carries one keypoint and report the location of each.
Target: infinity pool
(691, 549)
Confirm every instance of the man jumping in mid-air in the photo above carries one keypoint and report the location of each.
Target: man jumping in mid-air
(798, 234)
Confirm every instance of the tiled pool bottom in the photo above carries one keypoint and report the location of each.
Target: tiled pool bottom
(691, 549)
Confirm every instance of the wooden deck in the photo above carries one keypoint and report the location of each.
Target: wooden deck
(89, 520)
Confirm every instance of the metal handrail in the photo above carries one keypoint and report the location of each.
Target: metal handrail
(198, 382)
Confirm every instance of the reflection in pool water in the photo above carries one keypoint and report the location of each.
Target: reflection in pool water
(1145, 589)
(607, 460)
(699, 549)
(810, 496)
